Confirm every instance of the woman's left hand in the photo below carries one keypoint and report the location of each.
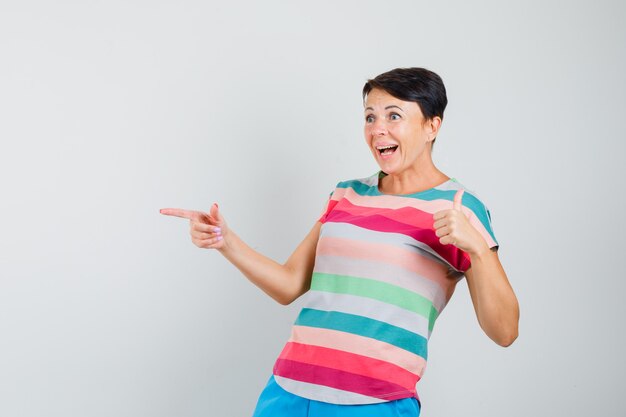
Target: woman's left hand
(452, 227)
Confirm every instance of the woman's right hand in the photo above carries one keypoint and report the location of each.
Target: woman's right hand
(207, 230)
(284, 283)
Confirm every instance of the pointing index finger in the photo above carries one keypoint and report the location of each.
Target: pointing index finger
(185, 214)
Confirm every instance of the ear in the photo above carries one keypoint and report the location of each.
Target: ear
(432, 127)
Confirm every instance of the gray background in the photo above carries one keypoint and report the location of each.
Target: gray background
(112, 110)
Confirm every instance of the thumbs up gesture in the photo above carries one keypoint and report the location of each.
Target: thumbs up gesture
(208, 230)
(452, 227)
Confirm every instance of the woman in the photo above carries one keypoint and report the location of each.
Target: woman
(380, 265)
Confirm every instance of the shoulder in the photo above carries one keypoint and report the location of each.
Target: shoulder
(362, 185)
(471, 199)
(370, 181)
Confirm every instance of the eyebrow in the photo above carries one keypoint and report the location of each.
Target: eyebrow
(386, 108)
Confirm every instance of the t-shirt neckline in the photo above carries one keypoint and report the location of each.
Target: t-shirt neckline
(380, 174)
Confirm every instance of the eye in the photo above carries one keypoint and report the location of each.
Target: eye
(369, 118)
(394, 116)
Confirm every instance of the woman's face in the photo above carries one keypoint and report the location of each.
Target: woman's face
(395, 132)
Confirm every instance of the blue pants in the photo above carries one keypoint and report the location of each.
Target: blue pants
(276, 402)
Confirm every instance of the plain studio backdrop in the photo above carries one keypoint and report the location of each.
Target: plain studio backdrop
(112, 110)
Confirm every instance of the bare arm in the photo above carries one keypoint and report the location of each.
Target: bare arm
(494, 301)
(284, 283)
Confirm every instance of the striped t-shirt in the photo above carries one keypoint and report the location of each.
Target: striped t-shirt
(381, 278)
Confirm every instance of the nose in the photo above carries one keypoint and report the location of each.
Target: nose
(379, 128)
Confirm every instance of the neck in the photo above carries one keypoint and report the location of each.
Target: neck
(412, 180)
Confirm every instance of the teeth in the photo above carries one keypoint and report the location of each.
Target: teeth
(380, 148)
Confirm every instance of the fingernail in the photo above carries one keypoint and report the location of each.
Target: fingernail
(217, 230)
(219, 237)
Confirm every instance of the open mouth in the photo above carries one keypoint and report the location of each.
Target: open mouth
(387, 150)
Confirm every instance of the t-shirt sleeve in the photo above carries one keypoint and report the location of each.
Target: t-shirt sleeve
(328, 207)
(483, 223)
(480, 218)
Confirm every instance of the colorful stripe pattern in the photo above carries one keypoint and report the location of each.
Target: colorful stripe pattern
(381, 279)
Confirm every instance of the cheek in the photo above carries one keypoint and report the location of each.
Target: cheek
(367, 134)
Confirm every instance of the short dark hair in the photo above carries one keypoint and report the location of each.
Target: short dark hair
(419, 85)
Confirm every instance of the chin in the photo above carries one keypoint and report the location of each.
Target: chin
(389, 169)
